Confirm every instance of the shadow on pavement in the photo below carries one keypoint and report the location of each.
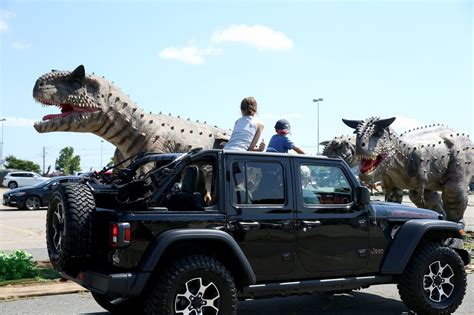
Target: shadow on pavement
(347, 303)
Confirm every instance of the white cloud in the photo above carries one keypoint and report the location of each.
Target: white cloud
(403, 124)
(4, 17)
(191, 54)
(259, 36)
(21, 45)
(18, 122)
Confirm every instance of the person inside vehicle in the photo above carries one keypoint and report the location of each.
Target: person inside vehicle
(190, 192)
(308, 186)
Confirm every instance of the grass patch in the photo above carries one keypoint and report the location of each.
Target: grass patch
(19, 267)
(43, 275)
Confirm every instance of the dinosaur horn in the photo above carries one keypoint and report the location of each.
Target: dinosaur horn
(79, 73)
(324, 142)
(352, 123)
(383, 123)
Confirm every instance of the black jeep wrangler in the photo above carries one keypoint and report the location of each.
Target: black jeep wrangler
(192, 233)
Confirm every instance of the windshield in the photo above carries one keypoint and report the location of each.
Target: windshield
(46, 182)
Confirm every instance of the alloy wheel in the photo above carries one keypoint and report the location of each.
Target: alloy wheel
(33, 203)
(198, 298)
(437, 281)
(58, 226)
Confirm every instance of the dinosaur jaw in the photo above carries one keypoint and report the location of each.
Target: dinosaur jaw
(369, 164)
(72, 117)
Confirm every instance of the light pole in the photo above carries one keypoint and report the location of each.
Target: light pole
(1, 147)
(101, 141)
(317, 100)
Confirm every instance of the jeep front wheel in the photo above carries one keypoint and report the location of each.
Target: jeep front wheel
(434, 280)
(69, 226)
(197, 285)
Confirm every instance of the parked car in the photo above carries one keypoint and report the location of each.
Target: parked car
(34, 197)
(22, 178)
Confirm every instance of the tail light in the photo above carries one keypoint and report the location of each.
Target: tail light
(120, 234)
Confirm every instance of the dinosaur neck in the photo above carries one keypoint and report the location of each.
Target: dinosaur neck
(123, 124)
(401, 148)
(394, 150)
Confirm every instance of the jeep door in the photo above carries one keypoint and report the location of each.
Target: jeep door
(332, 230)
(260, 215)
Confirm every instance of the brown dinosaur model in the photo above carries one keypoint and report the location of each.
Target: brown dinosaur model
(92, 104)
(424, 161)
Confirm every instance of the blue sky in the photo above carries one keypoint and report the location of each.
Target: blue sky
(406, 59)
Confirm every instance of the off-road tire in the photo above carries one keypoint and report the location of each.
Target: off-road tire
(418, 272)
(119, 306)
(172, 283)
(70, 240)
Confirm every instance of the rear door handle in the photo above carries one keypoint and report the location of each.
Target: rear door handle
(246, 226)
(308, 224)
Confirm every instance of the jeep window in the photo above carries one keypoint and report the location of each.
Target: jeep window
(194, 188)
(258, 183)
(324, 185)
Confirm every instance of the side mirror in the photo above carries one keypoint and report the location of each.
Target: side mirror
(363, 195)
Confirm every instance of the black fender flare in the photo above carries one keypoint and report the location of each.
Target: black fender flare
(153, 254)
(408, 238)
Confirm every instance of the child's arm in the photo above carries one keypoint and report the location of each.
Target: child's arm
(255, 139)
(298, 149)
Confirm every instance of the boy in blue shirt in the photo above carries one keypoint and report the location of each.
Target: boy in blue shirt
(280, 142)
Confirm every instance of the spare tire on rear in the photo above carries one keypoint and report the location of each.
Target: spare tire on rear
(70, 226)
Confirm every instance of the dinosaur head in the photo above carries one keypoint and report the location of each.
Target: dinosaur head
(373, 145)
(79, 97)
(343, 147)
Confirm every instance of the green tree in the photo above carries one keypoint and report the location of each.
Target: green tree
(22, 165)
(67, 162)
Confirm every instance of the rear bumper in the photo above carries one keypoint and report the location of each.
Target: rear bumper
(114, 285)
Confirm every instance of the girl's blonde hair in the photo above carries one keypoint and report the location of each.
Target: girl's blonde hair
(248, 106)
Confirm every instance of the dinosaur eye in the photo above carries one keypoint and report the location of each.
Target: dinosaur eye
(76, 83)
(379, 133)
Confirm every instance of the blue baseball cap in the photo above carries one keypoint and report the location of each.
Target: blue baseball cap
(284, 125)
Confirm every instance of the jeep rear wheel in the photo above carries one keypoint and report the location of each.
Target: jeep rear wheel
(69, 226)
(434, 280)
(195, 285)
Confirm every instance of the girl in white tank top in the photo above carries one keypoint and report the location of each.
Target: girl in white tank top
(247, 129)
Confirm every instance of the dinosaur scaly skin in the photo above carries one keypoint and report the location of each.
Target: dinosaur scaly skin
(92, 104)
(344, 147)
(424, 161)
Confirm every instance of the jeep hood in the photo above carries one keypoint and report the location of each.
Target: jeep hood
(396, 211)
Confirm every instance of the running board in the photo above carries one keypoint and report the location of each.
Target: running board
(296, 287)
